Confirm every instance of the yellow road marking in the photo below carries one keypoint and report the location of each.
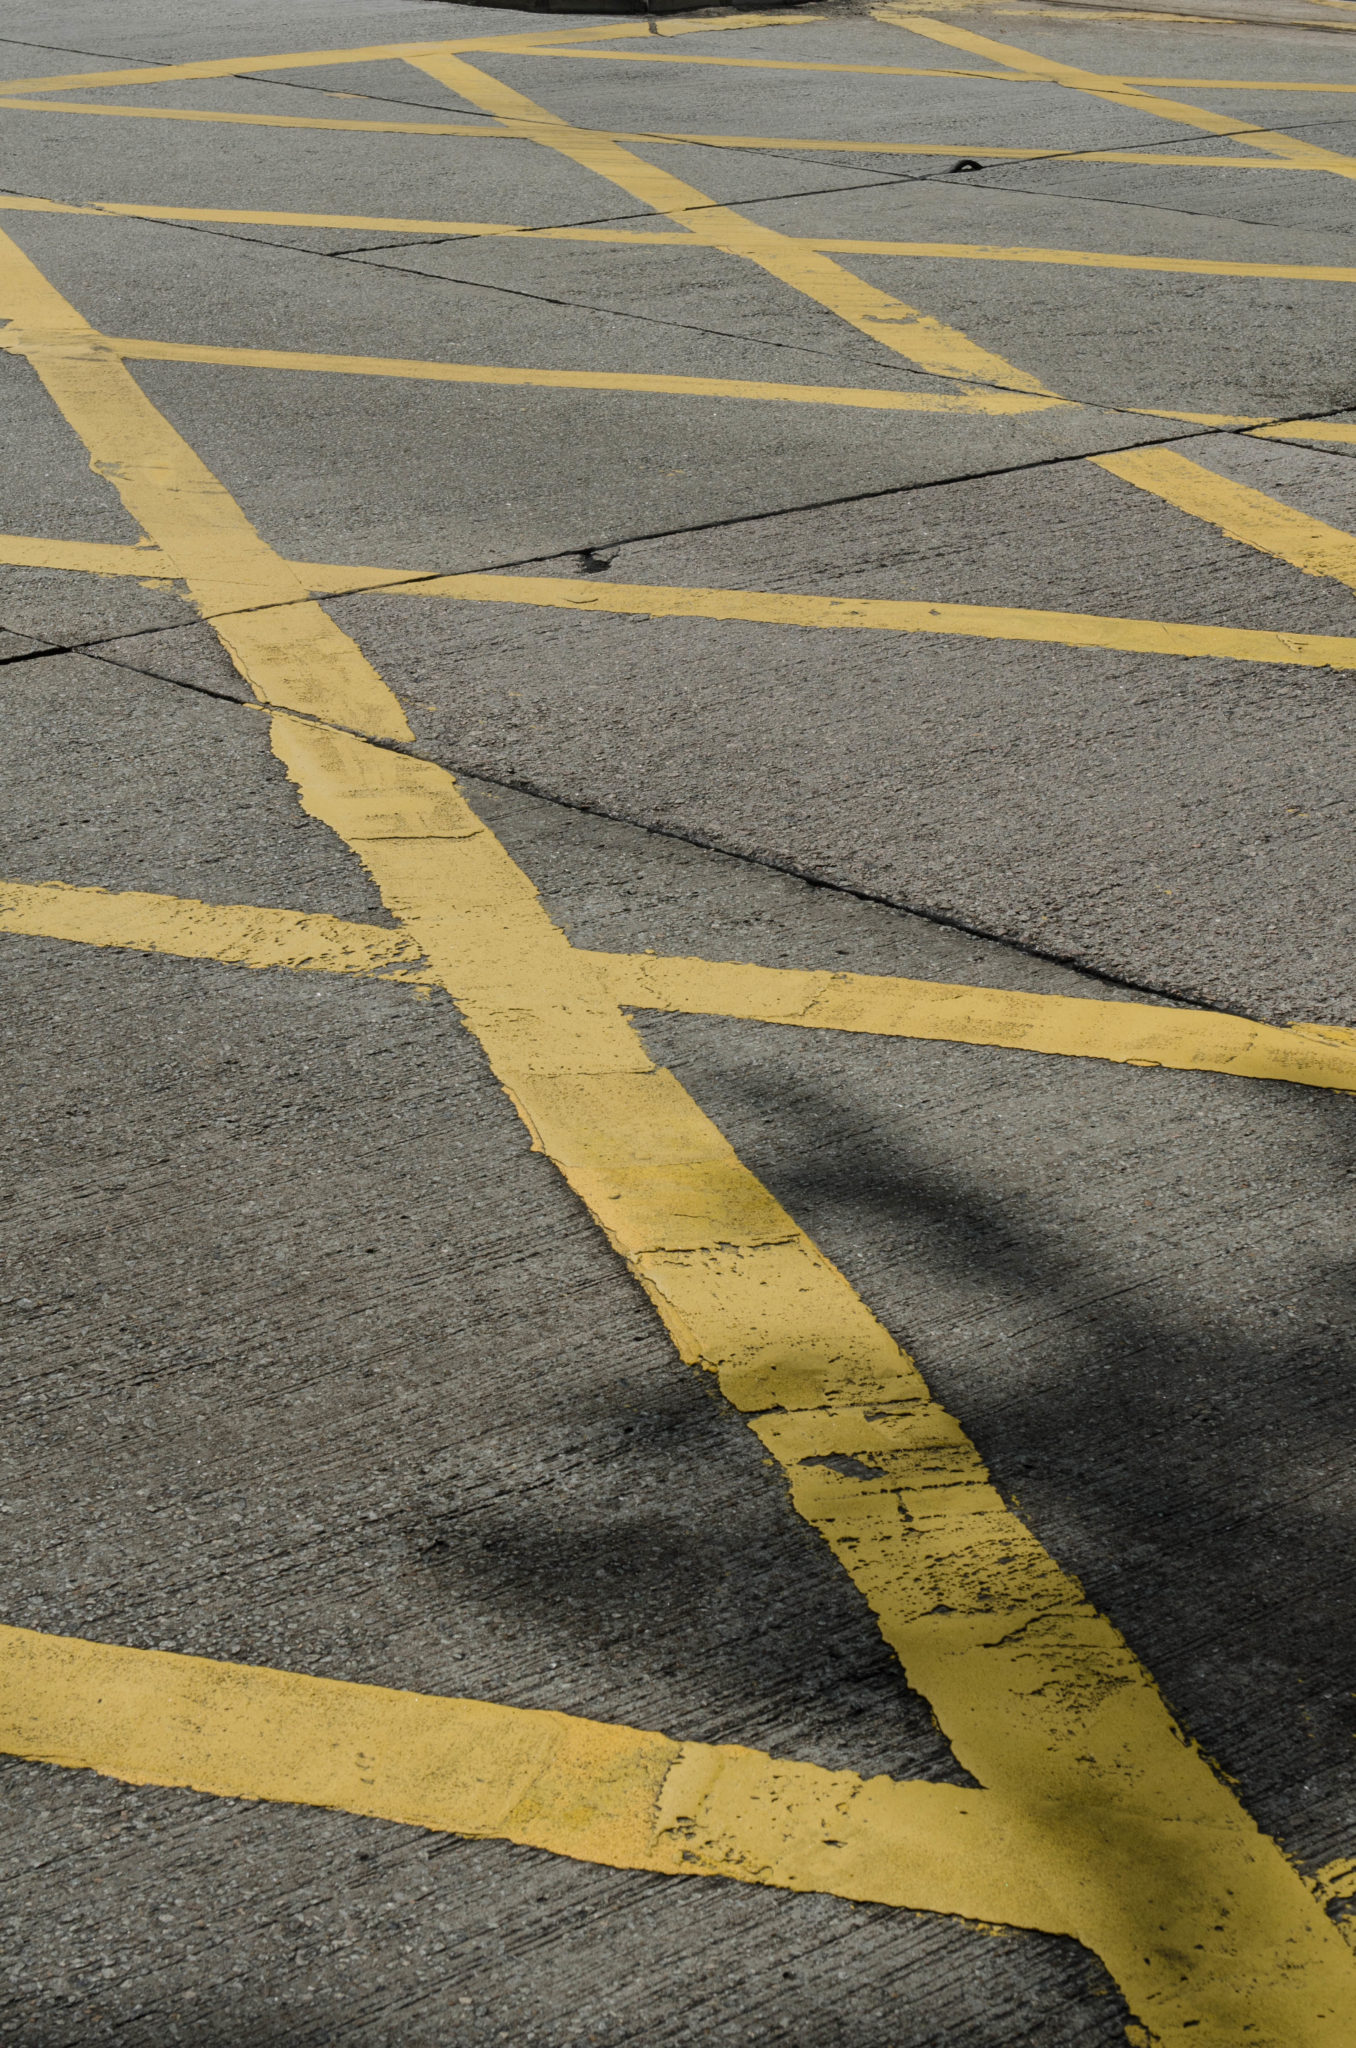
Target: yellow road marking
(1083, 1027)
(236, 934)
(1243, 514)
(1304, 430)
(921, 339)
(771, 64)
(1246, 84)
(266, 621)
(1140, 1034)
(249, 120)
(1126, 1828)
(591, 1790)
(977, 401)
(970, 621)
(764, 607)
(835, 245)
(1116, 90)
(483, 132)
(371, 53)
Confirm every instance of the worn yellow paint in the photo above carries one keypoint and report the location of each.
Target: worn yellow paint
(1305, 430)
(229, 120)
(1246, 84)
(1094, 259)
(1288, 149)
(239, 934)
(1259, 521)
(879, 614)
(88, 557)
(371, 53)
(1136, 1034)
(833, 245)
(914, 335)
(1152, 158)
(975, 401)
(483, 131)
(592, 1790)
(1198, 1916)
(263, 613)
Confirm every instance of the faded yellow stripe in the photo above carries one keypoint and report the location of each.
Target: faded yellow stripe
(773, 64)
(481, 131)
(981, 401)
(1210, 1933)
(263, 612)
(836, 245)
(1203, 1041)
(763, 607)
(876, 614)
(1243, 514)
(1137, 1034)
(591, 1790)
(1289, 148)
(228, 120)
(238, 934)
(370, 53)
(1304, 430)
(917, 336)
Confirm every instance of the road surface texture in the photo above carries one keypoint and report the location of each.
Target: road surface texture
(676, 923)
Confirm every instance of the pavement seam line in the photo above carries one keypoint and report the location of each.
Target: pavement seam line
(893, 1006)
(1144, 1852)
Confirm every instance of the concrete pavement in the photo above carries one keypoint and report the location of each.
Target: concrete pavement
(361, 1266)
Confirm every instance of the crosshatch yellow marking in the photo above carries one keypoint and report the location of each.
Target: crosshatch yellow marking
(1246, 515)
(1198, 1916)
(675, 238)
(485, 131)
(917, 336)
(1138, 1034)
(593, 1790)
(1288, 148)
(981, 400)
(304, 60)
(763, 607)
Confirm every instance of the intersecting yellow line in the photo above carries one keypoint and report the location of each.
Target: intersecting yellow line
(593, 1790)
(675, 238)
(1139, 1848)
(883, 1005)
(483, 131)
(1178, 640)
(1288, 148)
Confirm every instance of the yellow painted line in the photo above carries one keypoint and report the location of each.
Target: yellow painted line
(403, 224)
(1092, 259)
(88, 557)
(482, 132)
(971, 252)
(1246, 84)
(770, 64)
(266, 620)
(591, 1790)
(1082, 1027)
(763, 607)
(872, 614)
(1259, 521)
(1288, 148)
(917, 336)
(372, 53)
(1305, 430)
(1198, 1916)
(30, 106)
(1153, 158)
(978, 401)
(236, 934)
(1140, 1034)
